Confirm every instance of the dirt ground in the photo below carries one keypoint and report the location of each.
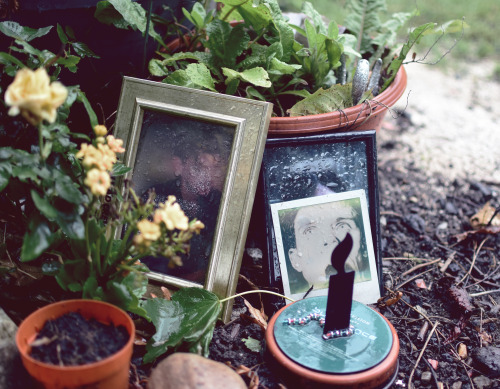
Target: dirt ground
(438, 166)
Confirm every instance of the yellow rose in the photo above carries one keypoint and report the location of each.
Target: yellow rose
(115, 144)
(149, 230)
(171, 214)
(100, 130)
(98, 181)
(101, 157)
(32, 95)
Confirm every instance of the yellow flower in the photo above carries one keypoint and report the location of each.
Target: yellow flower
(115, 144)
(171, 214)
(101, 157)
(149, 230)
(197, 226)
(98, 181)
(100, 130)
(32, 95)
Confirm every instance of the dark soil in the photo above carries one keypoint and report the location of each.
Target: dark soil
(73, 340)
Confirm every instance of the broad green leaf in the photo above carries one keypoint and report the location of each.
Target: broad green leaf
(218, 37)
(316, 18)
(107, 14)
(37, 239)
(185, 321)
(119, 294)
(135, 15)
(256, 76)
(156, 68)
(71, 224)
(119, 169)
(363, 21)
(16, 31)
(448, 27)
(334, 51)
(332, 99)
(197, 15)
(180, 78)
(200, 75)
(83, 50)
(283, 67)
(24, 173)
(286, 39)
(252, 344)
(62, 35)
(66, 188)
(4, 179)
(44, 206)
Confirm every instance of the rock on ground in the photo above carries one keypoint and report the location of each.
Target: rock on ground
(191, 371)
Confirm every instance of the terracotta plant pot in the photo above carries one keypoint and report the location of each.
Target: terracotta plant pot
(111, 372)
(380, 376)
(358, 118)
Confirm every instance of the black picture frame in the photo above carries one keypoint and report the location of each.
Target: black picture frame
(292, 167)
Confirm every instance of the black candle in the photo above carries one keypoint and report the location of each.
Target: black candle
(338, 306)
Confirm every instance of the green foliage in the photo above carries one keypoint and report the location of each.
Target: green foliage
(186, 322)
(262, 56)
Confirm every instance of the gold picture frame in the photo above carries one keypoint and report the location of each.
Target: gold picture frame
(217, 141)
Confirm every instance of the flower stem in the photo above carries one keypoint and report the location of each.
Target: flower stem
(40, 142)
(256, 291)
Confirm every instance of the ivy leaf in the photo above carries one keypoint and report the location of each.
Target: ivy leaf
(16, 31)
(323, 101)
(37, 239)
(255, 76)
(187, 320)
(200, 75)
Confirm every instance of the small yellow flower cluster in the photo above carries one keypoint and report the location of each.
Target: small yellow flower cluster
(32, 95)
(168, 217)
(100, 160)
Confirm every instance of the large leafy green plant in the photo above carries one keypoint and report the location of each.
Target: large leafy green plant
(57, 199)
(262, 56)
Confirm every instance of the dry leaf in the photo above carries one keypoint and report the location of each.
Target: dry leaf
(420, 283)
(258, 315)
(153, 296)
(433, 363)
(485, 337)
(139, 341)
(166, 293)
(483, 217)
(390, 299)
(492, 230)
(462, 350)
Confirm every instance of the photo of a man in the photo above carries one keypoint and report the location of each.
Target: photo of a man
(190, 162)
(307, 232)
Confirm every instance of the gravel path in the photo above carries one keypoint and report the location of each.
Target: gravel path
(454, 123)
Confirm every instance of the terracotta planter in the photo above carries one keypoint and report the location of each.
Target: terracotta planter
(111, 372)
(358, 118)
(381, 376)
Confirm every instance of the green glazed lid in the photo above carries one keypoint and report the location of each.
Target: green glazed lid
(367, 347)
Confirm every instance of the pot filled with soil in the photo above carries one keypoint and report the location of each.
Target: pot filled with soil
(76, 343)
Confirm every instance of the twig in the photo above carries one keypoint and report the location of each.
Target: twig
(410, 385)
(405, 259)
(484, 293)
(476, 253)
(416, 267)
(411, 279)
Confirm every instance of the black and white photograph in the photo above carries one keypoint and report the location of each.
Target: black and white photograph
(308, 230)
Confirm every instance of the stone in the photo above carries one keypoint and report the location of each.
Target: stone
(487, 360)
(457, 385)
(13, 375)
(190, 371)
(426, 377)
(482, 382)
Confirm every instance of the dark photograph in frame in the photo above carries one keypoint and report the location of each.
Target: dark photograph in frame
(188, 159)
(308, 230)
(316, 165)
(206, 149)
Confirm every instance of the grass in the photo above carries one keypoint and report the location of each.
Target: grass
(479, 40)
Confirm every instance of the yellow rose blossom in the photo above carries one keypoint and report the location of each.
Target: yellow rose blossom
(149, 230)
(115, 144)
(98, 182)
(100, 130)
(197, 226)
(171, 214)
(32, 95)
